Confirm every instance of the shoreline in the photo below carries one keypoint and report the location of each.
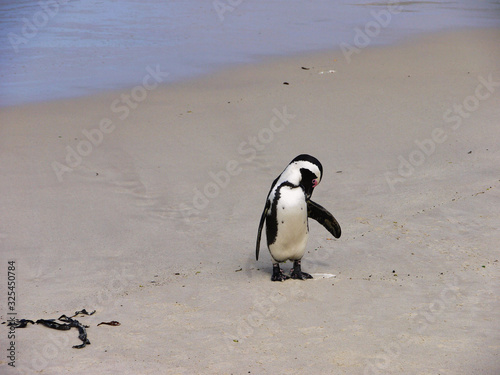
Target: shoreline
(350, 49)
(147, 211)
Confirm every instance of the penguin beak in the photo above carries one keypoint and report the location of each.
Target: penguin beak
(309, 192)
(310, 189)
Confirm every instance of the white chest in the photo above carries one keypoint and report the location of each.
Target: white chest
(291, 215)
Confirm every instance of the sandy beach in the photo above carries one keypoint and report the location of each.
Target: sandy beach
(144, 205)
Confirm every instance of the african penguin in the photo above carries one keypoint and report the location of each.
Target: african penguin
(288, 207)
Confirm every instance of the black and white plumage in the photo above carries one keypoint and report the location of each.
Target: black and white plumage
(288, 207)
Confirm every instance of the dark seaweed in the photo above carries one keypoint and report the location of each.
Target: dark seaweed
(112, 323)
(20, 323)
(83, 312)
(70, 323)
(67, 323)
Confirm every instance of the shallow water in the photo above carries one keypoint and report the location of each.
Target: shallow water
(66, 48)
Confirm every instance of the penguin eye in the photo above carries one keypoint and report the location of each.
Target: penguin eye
(315, 182)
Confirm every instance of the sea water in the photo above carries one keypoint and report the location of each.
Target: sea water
(54, 49)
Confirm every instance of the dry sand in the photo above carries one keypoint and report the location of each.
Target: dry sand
(154, 224)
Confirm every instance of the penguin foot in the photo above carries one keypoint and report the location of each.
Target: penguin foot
(296, 272)
(278, 274)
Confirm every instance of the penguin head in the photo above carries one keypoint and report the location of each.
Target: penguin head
(308, 170)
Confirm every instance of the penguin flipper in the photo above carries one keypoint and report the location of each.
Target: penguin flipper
(261, 225)
(325, 218)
